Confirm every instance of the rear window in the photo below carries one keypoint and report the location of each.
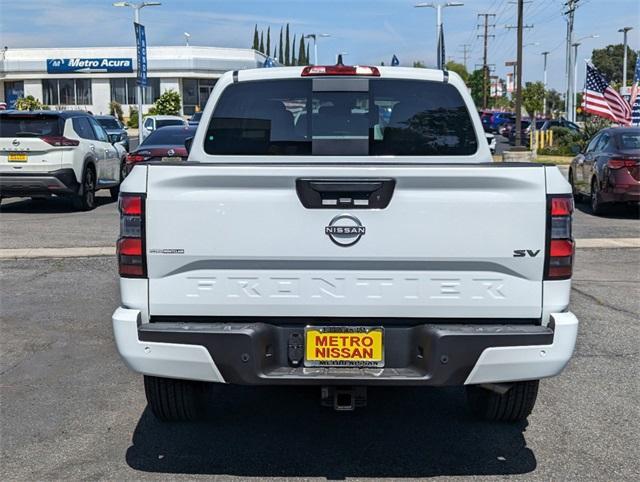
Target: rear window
(109, 123)
(30, 125)
(341, 117)
(168, 122)
(168, 137)
(629, 140)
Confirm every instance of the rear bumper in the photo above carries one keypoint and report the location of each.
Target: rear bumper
(62, 181)
(427, 354)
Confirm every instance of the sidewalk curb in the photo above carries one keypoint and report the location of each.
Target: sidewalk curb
(96, 251)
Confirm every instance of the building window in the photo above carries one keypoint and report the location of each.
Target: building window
(13, 90)
(66, 91)
(124, 91)
(195, 93)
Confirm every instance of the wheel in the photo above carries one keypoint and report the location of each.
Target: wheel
(175, 400)
(115, 191)
(85, 200)
(513, 406)
(576, 194)
(597, 206)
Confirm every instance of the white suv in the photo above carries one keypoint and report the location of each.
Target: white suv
(153, 122)
(62, 153)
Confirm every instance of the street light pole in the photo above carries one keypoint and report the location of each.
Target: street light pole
(136, 18)
(624, 31)
(315, 44)
(544, 81)
(438, 7)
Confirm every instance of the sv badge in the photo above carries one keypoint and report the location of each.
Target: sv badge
(521, 253)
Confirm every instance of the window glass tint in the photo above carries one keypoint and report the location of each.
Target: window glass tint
(109, 123)
(173, 137)
(394, 117)
(592, 145)
(100, 133)
(629, 140)
(168, 122)
(83, 128)
(604, 141)
(30, 125)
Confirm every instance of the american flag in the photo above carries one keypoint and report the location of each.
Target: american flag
(602, 100)
(635, 95)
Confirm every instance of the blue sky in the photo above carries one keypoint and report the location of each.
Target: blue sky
(369, 30)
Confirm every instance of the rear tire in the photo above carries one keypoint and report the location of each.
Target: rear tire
(173, 400)
(597, 206)
(115, 191)
(514, 406)
(85, 200)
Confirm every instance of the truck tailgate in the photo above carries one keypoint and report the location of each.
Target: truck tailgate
(235, 240)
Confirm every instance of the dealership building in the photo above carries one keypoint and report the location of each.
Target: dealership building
(90, 78)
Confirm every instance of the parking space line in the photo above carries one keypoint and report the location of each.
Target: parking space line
(92, 251)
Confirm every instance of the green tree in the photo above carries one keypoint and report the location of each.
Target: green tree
(555, 103)
(256, 42)
(287, 50)
(168, 103)
(458, 68)
(475, 82)
(419, 64)
(29, 103)
(261, 49)
(302, 60)
(609, 61)
(280, 55)
(294, 61)
(268, 41)
(533, 97)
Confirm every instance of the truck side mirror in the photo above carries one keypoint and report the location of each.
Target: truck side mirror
(187, 143)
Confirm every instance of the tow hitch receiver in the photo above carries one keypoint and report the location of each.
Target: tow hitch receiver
(344, 399)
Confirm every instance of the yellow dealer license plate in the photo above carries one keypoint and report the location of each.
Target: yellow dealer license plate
(18, 157)
(344, 346)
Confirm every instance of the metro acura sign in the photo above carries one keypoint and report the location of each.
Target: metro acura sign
(68, 66)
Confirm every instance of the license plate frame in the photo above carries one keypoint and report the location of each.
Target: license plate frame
(341, 331)
(18, 157)
(171, 159)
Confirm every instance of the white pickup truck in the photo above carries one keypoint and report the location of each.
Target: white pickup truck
(344, 227)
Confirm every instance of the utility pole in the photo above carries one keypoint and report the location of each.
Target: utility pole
(465, 53)
(544, 81)
(485, 66)
(519, 78)
(624, 31)
(570, 110)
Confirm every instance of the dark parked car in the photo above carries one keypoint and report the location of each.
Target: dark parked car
(195, 119)
(114, 129)
(164, 144)
(608, 171)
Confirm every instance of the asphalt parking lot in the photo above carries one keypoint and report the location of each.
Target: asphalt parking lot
(70, 409)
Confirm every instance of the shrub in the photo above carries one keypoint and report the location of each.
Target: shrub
(133, 118)
(28, 103)
(115, 109)
(167, 104)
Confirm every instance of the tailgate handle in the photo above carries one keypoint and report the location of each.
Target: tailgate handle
(345, 193)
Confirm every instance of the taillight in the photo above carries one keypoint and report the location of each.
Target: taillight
(133, 158)
(60, 141)
(560, 246)
(620, 163)
(131, 258)
(319, 70)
